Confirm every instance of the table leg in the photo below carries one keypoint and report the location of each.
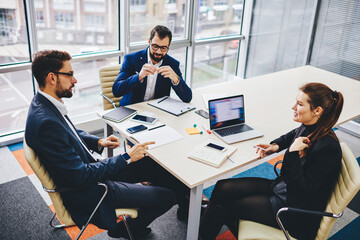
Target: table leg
(107, 132)
(194, 212)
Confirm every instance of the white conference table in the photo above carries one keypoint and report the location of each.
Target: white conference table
(268, 102)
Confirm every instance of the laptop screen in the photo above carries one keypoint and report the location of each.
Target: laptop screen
(227, 111)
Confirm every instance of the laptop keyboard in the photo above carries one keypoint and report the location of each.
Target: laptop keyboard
(233, 130)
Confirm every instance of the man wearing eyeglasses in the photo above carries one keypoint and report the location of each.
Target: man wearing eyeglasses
(151, 73)
(67, 155)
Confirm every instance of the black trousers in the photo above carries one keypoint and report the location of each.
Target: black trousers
(152, 201)
(234, 199)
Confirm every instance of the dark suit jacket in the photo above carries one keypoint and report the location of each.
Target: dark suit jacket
(70, 165)
(127, 83)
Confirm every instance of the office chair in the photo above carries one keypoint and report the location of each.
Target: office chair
(54, 193)
(345, 189)
(107, 75)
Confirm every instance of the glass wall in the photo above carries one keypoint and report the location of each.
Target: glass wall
(279, 34)
(215, 63)
(207, 40)
(16, 91)
(144, 15)
(219, 18)
(78, 27)
(89, 30)
(14, 45)
(336, 42)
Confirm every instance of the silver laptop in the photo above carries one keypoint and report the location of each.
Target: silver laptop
(227, 120)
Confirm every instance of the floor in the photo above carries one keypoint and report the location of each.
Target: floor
(25, 208)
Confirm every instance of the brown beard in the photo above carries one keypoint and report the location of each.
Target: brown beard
(156, 59)
(63, 93)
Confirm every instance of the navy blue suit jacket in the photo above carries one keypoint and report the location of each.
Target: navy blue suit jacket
(70, 165)
(127, 83)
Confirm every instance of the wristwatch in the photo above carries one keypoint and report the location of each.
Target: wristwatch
(126, 156)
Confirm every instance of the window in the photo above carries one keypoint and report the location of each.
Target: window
(336, 41)
(39, 18)
(64, 20)
(63, 4)
(94, 22)
(214, 63)
(144, 16)
(278, 35)
(13, 36)
(94, 6)
(81, 30)
(137, 2)
(16, 90)
(39, 3)
(86, 96)
(203, 2)
(218, 20)
(220, 2)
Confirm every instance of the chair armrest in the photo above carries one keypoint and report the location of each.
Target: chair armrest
(107, 98)
(275, 169)
(68, 189)
(303, 211)
(318, 213)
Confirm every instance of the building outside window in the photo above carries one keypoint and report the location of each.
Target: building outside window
(95, 6)
(64, 20)
(40, 18)
(63, 4)
(220, 2)
(95, 22)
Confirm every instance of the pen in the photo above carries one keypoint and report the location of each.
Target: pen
(259, 147)
(207, 130)
(230, 160)
(163, 99)
(156, 127)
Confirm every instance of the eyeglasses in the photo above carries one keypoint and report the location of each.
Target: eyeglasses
(155, 47)
(71, 75)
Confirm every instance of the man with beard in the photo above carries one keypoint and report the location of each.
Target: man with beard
(151, 73)
(66, 154)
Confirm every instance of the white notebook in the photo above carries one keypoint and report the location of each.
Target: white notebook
(211, 156)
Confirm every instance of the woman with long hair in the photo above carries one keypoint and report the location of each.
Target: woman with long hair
(311, 167)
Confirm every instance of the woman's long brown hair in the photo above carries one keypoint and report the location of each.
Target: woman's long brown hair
(330, 101)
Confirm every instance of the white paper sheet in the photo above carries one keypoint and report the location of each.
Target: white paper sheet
(161, 136)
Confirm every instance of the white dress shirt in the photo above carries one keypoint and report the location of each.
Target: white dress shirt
(151, 79)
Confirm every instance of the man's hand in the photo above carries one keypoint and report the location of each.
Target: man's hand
(138, 151)
(168, 72)
(269, 148)
(111, 142)
(147, 69)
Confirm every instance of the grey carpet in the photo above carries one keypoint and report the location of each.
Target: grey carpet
(24, 214)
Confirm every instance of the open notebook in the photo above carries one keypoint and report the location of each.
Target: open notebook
(211, 156)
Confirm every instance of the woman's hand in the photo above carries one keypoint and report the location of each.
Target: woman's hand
(267, 149)
(138, 151)
(299, 144)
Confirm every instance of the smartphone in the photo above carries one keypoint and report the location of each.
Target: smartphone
(136, 129)
(144, 119)
(216, 147)
(202, 113)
